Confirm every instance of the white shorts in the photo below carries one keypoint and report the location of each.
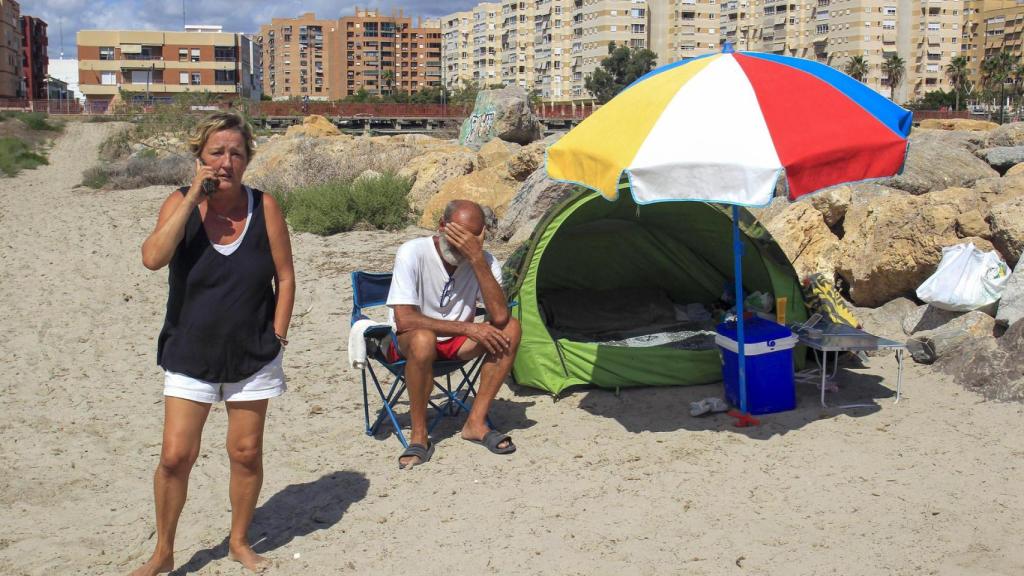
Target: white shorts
(269, 382)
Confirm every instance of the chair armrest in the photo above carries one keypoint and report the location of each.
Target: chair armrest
(378, 331)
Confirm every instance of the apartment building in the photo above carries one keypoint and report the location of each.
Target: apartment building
(156, 65)
(33, 57)
(484, 44)
(552, 49)
(596, 25)
(384, 54)
(10, 50)
(455, 49)
(517, 40)
(295, 60)
(991, 26)
(685, 28)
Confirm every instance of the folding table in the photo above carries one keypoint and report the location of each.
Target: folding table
(835, 338)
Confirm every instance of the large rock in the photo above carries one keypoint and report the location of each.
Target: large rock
(314, 126)
(533, 199)
(503, 113)
(939, 159)
(989, 366)
(801, 232)
(1011, 304)
(926, 346)
(1007, 222)
(526, 160)
(497, 152)
(958, 124)
(283, 164)
(1015, 170)
(1011, 134)
(490, 187)
(833, 203)
(887, 320)
(1002, 158)
(431, 170)
(893, 244)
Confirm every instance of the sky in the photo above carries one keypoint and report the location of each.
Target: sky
(233, 15)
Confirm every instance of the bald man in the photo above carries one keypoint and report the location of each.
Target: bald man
(435, 287)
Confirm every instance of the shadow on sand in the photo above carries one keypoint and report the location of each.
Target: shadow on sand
(506, 415)
(298, 510)
(666, 409)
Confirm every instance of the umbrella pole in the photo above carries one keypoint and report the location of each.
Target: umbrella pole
(743, 418)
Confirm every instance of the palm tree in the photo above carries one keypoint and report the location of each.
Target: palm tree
(388, 78)
(957, 72)
(893, 67)
(996, 70)
(857, 67)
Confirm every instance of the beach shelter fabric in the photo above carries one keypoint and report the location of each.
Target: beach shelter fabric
(589, 244)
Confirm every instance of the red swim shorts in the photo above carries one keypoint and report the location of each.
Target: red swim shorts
(446, 349)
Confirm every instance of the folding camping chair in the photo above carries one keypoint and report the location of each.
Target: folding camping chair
(370, 290)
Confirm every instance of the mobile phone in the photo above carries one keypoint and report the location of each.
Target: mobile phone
(209, 185)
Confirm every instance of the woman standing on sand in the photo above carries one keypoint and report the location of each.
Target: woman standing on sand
(232, 287)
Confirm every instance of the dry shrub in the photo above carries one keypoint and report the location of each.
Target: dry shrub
(141, 171)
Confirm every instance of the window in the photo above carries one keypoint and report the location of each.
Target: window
(195, 54)
(196, 79)
(106, 53)
(108, 78)
(933, 26)
(888, 24)
(889, 10)
(224, 53)
(183, 78)
(822, 29)
(183, 55)
(614, 28)
(224, 77)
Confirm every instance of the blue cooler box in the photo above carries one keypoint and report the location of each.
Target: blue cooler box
(769, 353)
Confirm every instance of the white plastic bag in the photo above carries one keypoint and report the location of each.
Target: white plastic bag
(966, 279)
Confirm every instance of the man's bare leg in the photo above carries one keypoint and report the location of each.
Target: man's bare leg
(183, 432)
(245, 450)
(492, 374)
(419, 347)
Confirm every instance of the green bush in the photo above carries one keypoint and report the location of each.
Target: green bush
(15, 155)
(37, 121)
(337, 206)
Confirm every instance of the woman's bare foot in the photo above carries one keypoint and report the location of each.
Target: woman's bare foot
(249, 559)
(156, 565)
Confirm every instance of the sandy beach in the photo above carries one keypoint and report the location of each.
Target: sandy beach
(601, 484)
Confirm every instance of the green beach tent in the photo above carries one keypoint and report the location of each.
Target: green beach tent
(587, 250)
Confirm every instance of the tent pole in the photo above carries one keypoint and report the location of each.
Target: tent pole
(737, 249)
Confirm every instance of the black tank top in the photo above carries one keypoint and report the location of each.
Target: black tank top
(220, 309)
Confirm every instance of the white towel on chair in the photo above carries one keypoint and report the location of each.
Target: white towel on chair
(357, 343)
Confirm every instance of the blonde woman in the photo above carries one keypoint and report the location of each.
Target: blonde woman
(232, 287)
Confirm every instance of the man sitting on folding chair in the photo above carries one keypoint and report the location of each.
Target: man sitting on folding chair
(436, 284)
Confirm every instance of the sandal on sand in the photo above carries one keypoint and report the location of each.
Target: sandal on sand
(417, 451)
(492, 439)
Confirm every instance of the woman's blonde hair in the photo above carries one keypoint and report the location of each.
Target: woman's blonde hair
(218, 122)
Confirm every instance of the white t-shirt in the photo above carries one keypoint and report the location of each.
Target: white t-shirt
(419, 279)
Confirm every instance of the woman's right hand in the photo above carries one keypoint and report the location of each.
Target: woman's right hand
(203, 172)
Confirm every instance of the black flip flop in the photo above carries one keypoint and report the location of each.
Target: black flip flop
(492, 439)
(418, 451)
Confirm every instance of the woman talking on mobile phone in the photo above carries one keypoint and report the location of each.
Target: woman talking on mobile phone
(232, 287)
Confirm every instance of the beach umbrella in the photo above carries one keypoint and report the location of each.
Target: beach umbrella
(723, 127)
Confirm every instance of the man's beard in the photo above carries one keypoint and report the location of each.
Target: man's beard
(449, 254)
